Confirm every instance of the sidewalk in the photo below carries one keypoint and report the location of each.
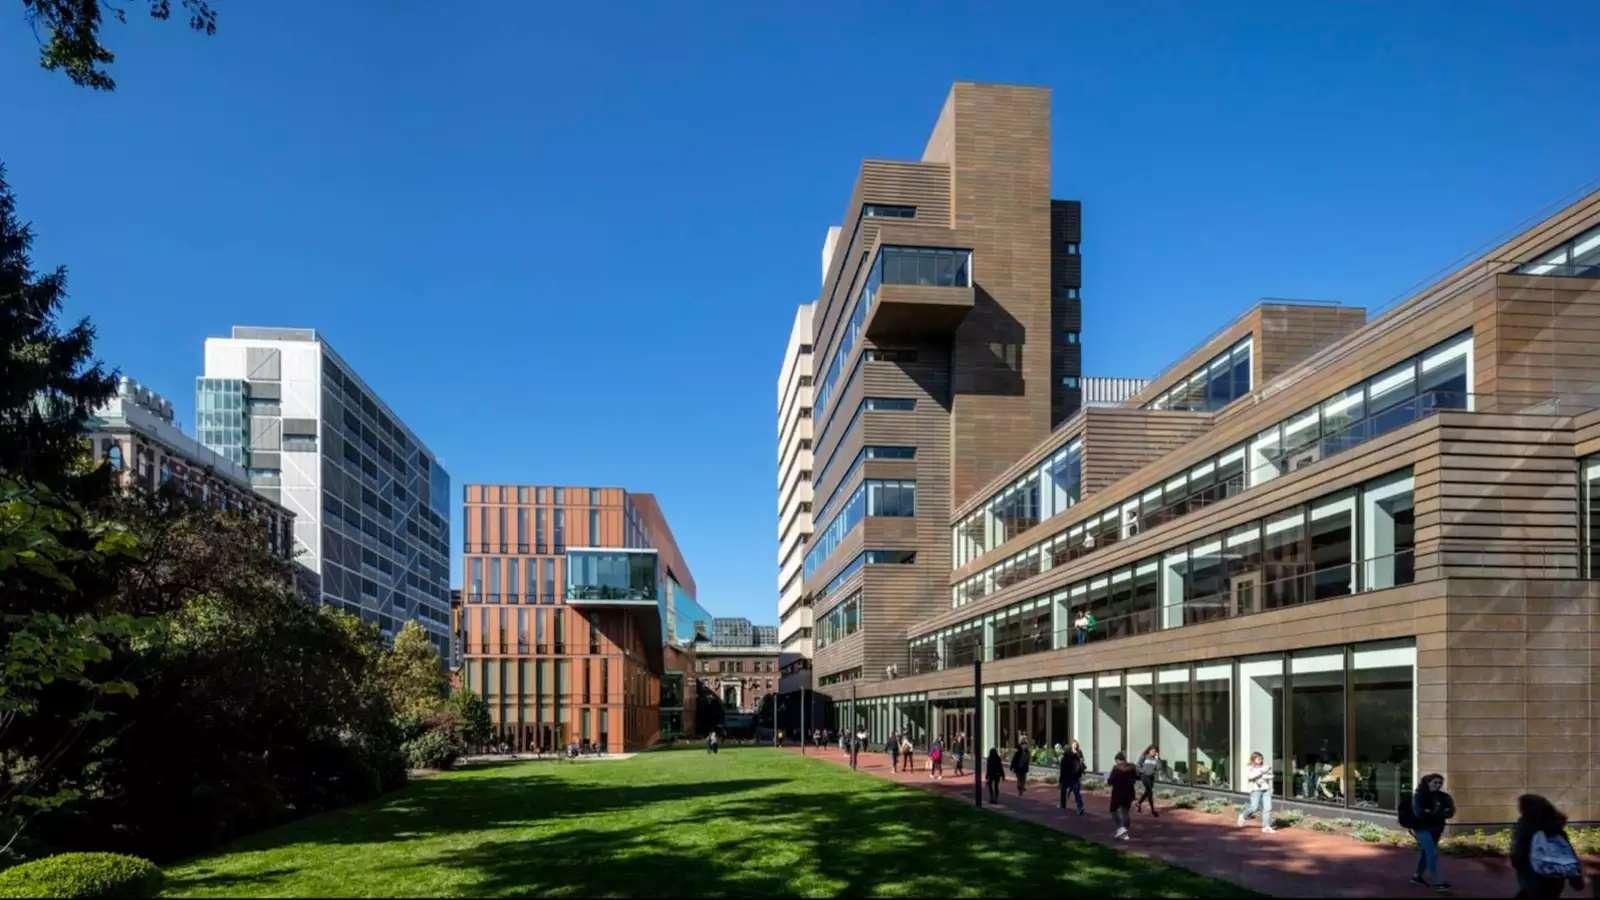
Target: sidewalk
(1293, 862)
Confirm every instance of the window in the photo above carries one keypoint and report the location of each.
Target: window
(886, 211)
(1223, 379)
(1070, 293)
(1070, 248)
(594, 528)
(1070, 382)
(1069, 338)
(888, 404)
(1318, 724)
(1577, 258)
(887, 354)
(1261, 717)
(299, 443)
(877, 451)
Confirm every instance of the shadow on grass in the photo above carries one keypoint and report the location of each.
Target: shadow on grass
(684, 829)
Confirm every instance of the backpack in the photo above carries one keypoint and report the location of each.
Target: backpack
(1552, 857)
(1405, 813)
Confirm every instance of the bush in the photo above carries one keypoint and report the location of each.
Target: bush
(1477, 842)
(1365, 831)
(1325, 826)
(1586, 841)
(433, 749)
(1287, 819)
(1093, 783)
(82, 875)
(1215, 807)
(1051, 779)
(1185, 801)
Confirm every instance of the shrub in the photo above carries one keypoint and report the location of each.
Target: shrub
(82, 875)
(1477, 842)
(1398, 838)
(1185, 801)
(1323, 825)
(1051, 779)
(1287, 819)
(1365, 831)
(1215, 807)
(1093, 783)
(433, 749)
(1586, 841)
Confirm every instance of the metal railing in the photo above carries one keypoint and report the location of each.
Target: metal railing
(1247, 593)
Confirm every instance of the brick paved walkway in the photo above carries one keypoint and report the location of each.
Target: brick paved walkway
(1293, 862)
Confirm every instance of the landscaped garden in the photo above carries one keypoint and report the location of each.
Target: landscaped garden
(745, 821)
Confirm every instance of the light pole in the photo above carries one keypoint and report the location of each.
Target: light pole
(855, 749)
(977, 732)
(802, 719)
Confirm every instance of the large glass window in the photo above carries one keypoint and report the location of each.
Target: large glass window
(611, 575)
(1387, 531)
(1591, 514)
(874, 497)
(1174, 727)
(1577, 258)
(1223, 379)
(1333, 547)
(1381, 682)
(1212, 715)
(1140, 706)
(1261, 717)
(1317, 732)
(1285, 554)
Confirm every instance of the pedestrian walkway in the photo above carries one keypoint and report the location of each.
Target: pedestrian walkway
(1293, 862)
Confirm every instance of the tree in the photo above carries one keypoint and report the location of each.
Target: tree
(49, 379)
(472, 715)
(73, 26)
(412, 675)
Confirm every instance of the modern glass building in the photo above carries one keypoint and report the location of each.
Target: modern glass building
(1361, 548)
(370, 501)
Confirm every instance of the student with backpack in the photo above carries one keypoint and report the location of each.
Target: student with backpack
(906, 750)
(1019, 766)
(1541, 854)
(1425, 813)
(1122, 778)
(936, 762)
(994, 773)
(1070, 778)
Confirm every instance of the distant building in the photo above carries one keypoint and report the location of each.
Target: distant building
(135, 434)
(794, 491)
(740, 664)
(1100, 391)
(371, 502)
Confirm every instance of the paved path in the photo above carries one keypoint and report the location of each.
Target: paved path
(1293, 862)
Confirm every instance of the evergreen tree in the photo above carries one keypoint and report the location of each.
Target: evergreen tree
(49, 380)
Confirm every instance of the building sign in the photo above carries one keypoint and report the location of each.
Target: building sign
(951, 694)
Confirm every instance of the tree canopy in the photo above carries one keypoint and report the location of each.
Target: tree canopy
(69, 33)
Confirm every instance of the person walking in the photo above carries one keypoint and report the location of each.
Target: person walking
(993, 774)
(1019, 766)
(1258, 782)
(906, 751)
(1541, 854)
(936, 762)
(959, 751)
(892, 747)
(1425, 813)
(1149, 767)
(1122, 779)
(1070, 778)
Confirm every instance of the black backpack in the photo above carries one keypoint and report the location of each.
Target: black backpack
(1404, 811)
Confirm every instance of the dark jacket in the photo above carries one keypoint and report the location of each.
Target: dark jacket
(993, 768)
(1019, 761)
(1123, 778)
(1431, 810)
(1072, 768)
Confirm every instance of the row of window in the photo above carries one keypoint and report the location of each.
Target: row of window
(1351, 541)
(521, 577)
(1335, 724)
(1049, 490)
(870, 451)
(1435, 379)
(1223, 379)
(939, 267)
(864, 558)
(1577, 258)
(874, 497)
(840, 622)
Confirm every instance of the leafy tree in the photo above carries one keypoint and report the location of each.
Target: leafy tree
(473, 723)
(49, 380)
(412, 675)
(73, 27)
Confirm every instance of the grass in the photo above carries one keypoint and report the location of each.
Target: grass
(746, 821)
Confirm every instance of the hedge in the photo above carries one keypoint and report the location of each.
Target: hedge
(82, 875)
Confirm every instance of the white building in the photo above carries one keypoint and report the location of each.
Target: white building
(371, 503)
(794, 499)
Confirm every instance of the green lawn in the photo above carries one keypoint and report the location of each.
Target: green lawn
(746, 821)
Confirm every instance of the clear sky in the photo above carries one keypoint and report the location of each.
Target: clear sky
(564, 241)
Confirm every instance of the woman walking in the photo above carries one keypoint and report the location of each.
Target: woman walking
(1258, 781)
(1149, 766)
(1070, 777)
(1541, 854)
(1019, 766)
(892, 747)
(906, 749)
(1122, 778)
(936, 762)
(1426, 814)
(959, 750)
(992, 773)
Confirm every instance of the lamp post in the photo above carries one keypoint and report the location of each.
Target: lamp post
(802, 719)
(977, 732)
(855, 749)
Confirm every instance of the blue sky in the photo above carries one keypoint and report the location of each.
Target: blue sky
(565, 244)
